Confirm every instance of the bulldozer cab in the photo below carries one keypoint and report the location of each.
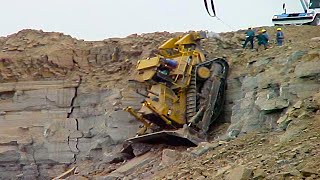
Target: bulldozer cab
(155, 69)
(146, 69)
(175, 61)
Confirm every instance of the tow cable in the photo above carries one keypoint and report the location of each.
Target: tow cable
(213, 14)
(212, 7)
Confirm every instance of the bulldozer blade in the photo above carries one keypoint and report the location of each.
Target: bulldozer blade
(181, 137)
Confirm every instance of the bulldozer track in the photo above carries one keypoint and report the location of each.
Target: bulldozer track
(192, 96)
(210, 96)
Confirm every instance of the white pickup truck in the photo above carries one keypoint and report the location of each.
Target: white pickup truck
(310, 16)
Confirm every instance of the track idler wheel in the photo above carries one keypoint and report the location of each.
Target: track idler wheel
(203, 73)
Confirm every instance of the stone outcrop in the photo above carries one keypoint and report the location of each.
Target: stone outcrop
(58, 101)
(54, 122)
(267, 94)
(239, 173)
(169, 156)
(33, 124)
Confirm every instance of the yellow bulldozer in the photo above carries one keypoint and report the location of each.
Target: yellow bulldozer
(184, 92)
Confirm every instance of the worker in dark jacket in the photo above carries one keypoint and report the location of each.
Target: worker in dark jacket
(279, 36)
(266, 35)
(249, 38)
(262, 40)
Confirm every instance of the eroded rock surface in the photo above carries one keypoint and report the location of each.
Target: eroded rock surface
(61, 103)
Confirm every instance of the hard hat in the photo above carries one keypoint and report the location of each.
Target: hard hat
(279, 29)
(263, 30)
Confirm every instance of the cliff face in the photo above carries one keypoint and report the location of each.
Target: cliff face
(266, 83)
(61, 99)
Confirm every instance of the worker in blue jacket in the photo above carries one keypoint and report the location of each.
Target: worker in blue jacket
(249, 38)
(279, 36)
(262, 39)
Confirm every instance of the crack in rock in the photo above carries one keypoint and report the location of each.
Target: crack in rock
(77, 122)
(74, 97)
(75, 150)
(34, 159)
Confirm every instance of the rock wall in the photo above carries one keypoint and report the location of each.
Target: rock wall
(29, 111)
(46, 125)
(60, 101)
(261, 91)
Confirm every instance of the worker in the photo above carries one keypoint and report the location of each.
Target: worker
(267, 37)
(279, 37)
(262, 40)
(249, 38)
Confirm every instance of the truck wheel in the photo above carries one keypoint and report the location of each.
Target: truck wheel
(316, 21)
